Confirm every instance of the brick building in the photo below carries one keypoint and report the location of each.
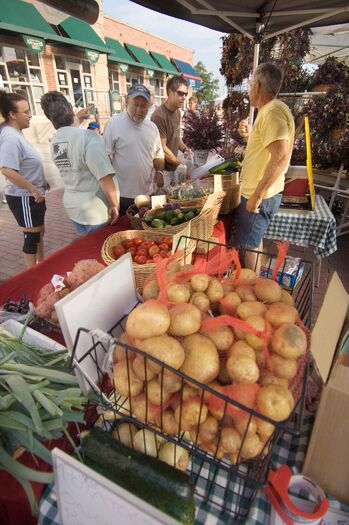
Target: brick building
(42, 49)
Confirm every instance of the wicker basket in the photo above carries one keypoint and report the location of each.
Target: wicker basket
(141, 271)
(232, 191)
(199, 202)
(136, 223)
(170, 230)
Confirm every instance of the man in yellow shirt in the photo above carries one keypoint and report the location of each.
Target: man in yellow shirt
(267, 156)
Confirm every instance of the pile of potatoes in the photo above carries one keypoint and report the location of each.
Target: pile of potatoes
(175, 333)
(47, 296)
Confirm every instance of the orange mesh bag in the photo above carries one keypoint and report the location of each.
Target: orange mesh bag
(244, 394)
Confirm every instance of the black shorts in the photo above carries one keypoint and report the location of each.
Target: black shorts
(27, 212)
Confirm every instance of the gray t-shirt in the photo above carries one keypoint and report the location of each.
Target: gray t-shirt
(17, 154)
(82, 161)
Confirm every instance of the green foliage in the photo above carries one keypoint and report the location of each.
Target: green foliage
(209, 86)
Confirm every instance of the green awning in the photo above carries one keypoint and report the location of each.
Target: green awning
(164, 63)
(143, 57)
(119, 53)
(22, 17)
(82, 32)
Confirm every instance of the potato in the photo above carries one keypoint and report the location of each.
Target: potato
(157, 394)
(246, 292)
(264, 429)
(284, 368)
(178, 293)
(165, 348)
(200, 282)
(215, 291)
(143, 410)
(228, 285)
(201, 301)
(289, 341)
(201, 358)
(229, 303)
(280, 313)
(44, 310)
(230, 440)
(269, 379)
(245, 425)
(191, 413)
(242, 369)
(174, 456)
(125, 433)
(275, 402)
(286, 297)
(223, 376)
(267, 290)
(222, 337)
(208, 430)
(241, 348)
(167, 423)
(148, 320)
(120, 353)
(185, 319)
(249, 308)
(251, 447)
(147, 442)
(258, 323)
(246, 275)
(171, 381)
(125, 380)
(141, 368)
(151, 290)
(260, 358)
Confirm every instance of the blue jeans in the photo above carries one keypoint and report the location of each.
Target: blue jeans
(86, 228)
(251, 227)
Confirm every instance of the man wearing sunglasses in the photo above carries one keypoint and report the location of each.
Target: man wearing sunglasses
(167, 118)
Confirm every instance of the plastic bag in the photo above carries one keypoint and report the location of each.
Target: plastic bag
(180, 174)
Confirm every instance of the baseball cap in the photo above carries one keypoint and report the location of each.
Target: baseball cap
(138, 90)
(93, 125)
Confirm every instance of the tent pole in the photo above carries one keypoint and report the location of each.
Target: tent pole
(255, 64)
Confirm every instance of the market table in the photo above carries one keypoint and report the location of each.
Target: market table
(316, 228)
(289, 450)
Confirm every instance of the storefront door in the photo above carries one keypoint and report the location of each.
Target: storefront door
(76, 84)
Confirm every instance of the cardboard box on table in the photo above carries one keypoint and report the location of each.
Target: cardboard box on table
(327, 460)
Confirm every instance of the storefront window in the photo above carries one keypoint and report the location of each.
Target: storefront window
(114, 82)
(158, 85)
(20, 72)
(75, 80)
(131, 80)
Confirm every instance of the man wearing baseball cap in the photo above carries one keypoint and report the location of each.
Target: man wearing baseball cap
(95, 127)
(134, 146)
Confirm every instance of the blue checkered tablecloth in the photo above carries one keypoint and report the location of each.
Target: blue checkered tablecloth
(289, 449)
(308, 228)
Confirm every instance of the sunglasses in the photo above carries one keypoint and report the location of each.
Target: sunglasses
(182, 93)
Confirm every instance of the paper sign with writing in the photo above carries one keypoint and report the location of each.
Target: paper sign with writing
(158, 200)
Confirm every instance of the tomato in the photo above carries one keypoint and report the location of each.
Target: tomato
(142, 252)
(168, 241)
(127, 243)
(118, 251)
(148, 243)
(137, 241)
(141, 259)
(132, 251)
(150, 261)
(164, 246)
(164, 254)
(153, 250)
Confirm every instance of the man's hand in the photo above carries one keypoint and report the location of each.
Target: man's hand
(252, 205)
(38, 197)
(113, 214)
(159, 179)
(244, 129)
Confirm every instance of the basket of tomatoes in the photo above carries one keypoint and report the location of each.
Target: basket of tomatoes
(144, 247)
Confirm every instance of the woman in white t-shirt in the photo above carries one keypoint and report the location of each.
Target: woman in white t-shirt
(22, 166)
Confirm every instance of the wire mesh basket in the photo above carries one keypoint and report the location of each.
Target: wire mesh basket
(227, 466)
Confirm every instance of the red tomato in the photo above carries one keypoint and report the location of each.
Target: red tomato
(118, 251)
(142, 259)
(164, 254)
(168, 241)
(164, 246)
(153, 250)
(137, 241)
(132, 251)
(150, 242)
(127, 243)
(142, 252)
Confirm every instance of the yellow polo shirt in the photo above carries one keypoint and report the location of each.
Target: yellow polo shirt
(274, 122)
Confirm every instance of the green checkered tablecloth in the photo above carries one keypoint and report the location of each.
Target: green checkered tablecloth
(289, 449)
(310, 228)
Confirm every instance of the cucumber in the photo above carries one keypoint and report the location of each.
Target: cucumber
(152, 480)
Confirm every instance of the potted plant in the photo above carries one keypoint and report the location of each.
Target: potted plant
(331, 73)
(203, 132)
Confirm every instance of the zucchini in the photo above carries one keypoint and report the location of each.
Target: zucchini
(152, 480)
